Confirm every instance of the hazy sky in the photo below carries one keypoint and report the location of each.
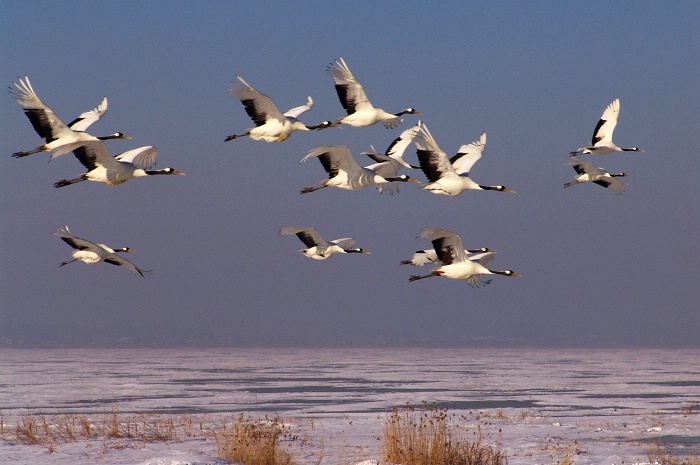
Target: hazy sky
(599, 269)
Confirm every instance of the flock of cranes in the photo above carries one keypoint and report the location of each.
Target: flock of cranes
(601, 144)
(446, 175)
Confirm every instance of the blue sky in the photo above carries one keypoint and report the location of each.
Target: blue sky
(599, 269)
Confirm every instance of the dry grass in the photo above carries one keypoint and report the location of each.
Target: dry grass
(52, 431)
(412, 436)
(425, 437)
(657, 454)
(254, 442)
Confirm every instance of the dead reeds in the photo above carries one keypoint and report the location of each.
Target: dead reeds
(52, 431)
(425, 436)
(659, 454)
(255, 442)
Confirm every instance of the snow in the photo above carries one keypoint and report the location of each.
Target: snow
(602, 406)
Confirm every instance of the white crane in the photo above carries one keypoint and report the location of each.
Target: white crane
(60, 138)
(390, 162)
(450, 176)
(587, 172)
(271, 124)
(602, 143)
(429, 257)
(103, 167)
(92, 253)
(352, 96)
(455, 262)
(344, 172)
(317, 247)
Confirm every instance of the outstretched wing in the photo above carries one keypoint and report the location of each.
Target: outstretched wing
(88, 118)
(75, 242)
(612, 183)
(334, 158)
(447, 245)
(350, 92)
(468, 154)
(296, 111)
(399, 145)
(45, 122)
(344, 243)
(143, 157)
(605, 127)
(309, 236)
(259, 106)
(433, 160)
(114, 259)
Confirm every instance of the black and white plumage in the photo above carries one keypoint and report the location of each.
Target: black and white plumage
(455, 261)
(271, 125)
(317, 247)
(430, 257)
(91, 253)
(602, 143)
(352, 96)
(60, 138)
(390, 162)
(103, 167)
(344, 172)
(450, 176)
(587, 172)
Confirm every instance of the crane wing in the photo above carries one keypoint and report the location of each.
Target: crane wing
(143, 157)
(376, 156)
(468, 154)
(399, 145)
(350, 92)
(343, 243)
(447, 245)
(75, 242)
(296, 111)
(94, 153)
(45, 122)
(605, 127)
(114, 259)
(259, 106)
(433, 160)
(88, 118)
(593, 172)
(612, 183)
(309, 236)
(334, 158)
(424, 257)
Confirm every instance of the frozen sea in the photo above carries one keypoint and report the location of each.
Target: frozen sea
(604, 406)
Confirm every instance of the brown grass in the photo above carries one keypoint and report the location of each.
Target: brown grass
(254, 442)
(424, 437)
(51, 431)
(658, 454)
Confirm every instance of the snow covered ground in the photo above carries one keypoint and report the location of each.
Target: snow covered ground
(602, 406)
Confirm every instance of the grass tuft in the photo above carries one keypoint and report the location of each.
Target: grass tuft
(255, 442)
(424, 436)
(658, 454)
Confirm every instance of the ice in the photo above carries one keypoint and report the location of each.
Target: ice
(599, 406)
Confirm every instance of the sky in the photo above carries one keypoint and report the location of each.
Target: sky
(599, 269)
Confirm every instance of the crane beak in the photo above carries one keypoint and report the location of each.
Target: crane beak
(179, 173)
(518, 275)
(509, 190)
